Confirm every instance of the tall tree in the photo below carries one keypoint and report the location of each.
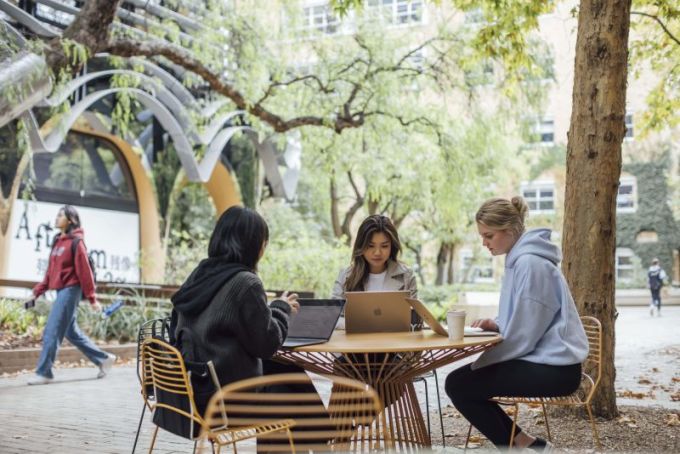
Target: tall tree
(593, 170)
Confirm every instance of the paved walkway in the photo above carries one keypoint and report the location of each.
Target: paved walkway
(80, 414)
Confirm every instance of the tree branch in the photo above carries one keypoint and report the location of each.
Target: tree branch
(660, 22)
(179, 56)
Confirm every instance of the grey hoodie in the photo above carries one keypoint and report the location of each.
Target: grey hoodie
(536, 316)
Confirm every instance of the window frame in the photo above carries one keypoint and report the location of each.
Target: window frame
(625, 181)
(538, 186)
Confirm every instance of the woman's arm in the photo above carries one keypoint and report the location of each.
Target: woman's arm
(84, 272)
(263, 327)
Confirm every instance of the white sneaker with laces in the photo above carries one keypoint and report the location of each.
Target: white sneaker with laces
(40, 380)
(105, 366)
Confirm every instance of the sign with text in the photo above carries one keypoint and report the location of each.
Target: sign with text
(111, 237)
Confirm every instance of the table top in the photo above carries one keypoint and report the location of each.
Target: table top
(409, 341)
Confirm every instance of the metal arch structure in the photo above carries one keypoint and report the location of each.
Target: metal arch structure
(159, 92)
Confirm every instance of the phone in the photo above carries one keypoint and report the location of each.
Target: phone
(29, 304)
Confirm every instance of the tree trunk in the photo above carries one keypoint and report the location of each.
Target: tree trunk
(335, 217)
(450, 272)
(442, 260)
(593, 170)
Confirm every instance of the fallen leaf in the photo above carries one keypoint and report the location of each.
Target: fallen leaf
(644, 381)
(655, 369)
(675, 397)
(675, 380)
(672, 420)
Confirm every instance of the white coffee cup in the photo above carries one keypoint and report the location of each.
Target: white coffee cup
(455, 322)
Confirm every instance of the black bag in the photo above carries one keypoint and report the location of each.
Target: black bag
(90, 260)
(203, 386)
(655, 281)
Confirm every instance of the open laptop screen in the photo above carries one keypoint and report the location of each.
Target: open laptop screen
(315, 319)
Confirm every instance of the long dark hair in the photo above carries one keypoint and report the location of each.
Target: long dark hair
(72, 216)
(238, 236)
(376, 223)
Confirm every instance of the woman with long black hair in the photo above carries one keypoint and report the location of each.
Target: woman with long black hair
(69, 273)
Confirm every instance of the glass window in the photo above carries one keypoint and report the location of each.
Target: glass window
(625, 199)
(625, 265)
(540, 197)
(396, 12)
(86, 171)
(629, 126)
(319, 18)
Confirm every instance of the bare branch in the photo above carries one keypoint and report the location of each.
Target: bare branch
(179, 56)
(660, 22)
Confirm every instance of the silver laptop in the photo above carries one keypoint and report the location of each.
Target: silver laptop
(314, 322)
(377, 312)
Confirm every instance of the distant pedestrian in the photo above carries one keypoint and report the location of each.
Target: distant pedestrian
(69, 273)
(655, 280)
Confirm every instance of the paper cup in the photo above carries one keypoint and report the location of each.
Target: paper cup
(455, 322)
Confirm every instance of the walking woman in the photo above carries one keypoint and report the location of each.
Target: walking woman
(69, 273)
(543, 339)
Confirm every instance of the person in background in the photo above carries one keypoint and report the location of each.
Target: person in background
(655, 281)
(70, 275)
(544, 342)
(375, 265)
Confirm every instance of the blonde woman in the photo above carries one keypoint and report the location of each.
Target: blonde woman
(543, 340)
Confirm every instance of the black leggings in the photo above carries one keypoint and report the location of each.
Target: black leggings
(470, 391)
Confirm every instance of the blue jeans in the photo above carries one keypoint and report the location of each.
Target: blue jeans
(62, 322)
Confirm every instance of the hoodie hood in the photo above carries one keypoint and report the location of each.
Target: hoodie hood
(202, 285)
(75, 233)
(535, 242)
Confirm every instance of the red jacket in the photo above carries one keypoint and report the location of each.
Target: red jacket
(63, 271)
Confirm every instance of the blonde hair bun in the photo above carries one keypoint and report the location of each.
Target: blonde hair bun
(521, 206)
(504, 214)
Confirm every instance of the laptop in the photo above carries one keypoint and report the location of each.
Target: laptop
(437, 327)
(314, 322)
(377, 312)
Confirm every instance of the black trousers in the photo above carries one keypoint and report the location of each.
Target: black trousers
(470, 391)
(656, 298)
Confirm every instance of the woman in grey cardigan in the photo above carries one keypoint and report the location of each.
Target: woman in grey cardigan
(375, 266)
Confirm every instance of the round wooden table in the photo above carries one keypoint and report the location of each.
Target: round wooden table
(388, 362)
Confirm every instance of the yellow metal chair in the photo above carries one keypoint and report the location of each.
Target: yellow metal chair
(158, 328)
(346, 425)
(582, 397)
(172, 386)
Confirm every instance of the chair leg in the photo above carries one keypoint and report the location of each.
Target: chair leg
(290, 440)
(427, 410)
(596, 436)
(514, 426)
(467, 439)
(439, 406)
(139, 427)
(195, 443)
(547, 424)
(153, 439)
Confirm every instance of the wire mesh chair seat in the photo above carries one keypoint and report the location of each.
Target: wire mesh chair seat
(347, 424)
(591, 371)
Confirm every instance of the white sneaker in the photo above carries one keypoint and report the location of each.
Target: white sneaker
(651, 310)
(105, 366)
(40, 380)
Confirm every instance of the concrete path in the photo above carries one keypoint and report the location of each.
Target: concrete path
(80, 414)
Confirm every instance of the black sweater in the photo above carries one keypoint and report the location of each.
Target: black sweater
(237, 329)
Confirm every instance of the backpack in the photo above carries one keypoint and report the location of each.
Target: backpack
(90, 260)
(655, 281)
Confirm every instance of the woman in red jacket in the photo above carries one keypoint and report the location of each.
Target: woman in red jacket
(70, 275)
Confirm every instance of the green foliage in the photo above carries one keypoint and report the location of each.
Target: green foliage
(122, 326)
(299, 257)
(653, 214)
(654, 48)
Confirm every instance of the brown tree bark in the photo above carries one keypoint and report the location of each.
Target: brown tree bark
(593, 169)
(90, 28)
(442, 260)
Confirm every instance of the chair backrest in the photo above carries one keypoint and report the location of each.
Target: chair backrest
(592, 366)
(158, 328)
(174, 407)
(347, 424)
